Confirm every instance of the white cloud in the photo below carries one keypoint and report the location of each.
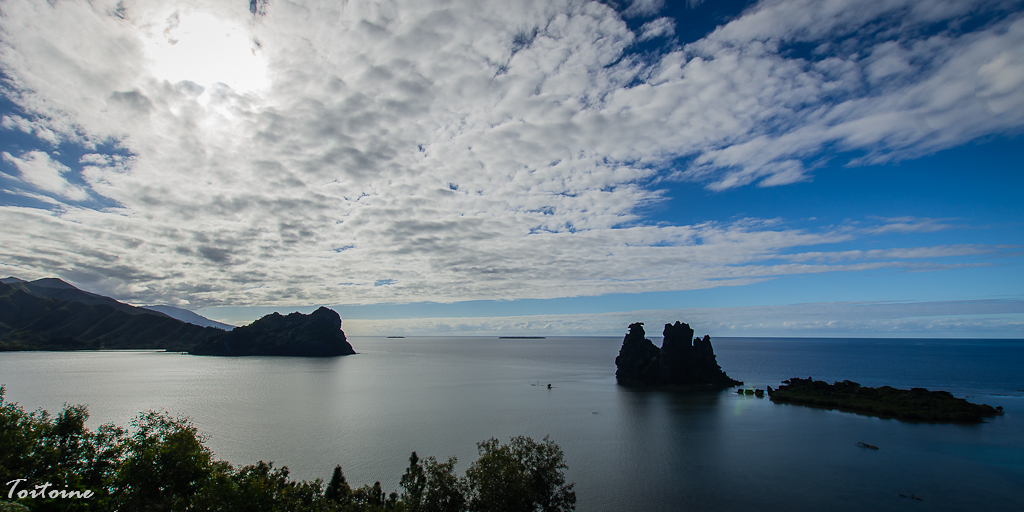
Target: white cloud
(461, 151)
(943, 251)
(952, 319)
(661, 27)
(15, 122)
(1001, 84)
(643, 8)
(910, 225)
(46, 174)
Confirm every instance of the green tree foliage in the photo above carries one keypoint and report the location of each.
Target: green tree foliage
(522, 476)
(38, 447)
(163, 465)
(414, 481)
(338, 490)
(433, 486)
(369, 498)
(445, 492)
(263, 487)
(166, 465)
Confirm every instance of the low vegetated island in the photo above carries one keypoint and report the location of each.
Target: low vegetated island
(916, 404)
(162, 464)
(682, 360)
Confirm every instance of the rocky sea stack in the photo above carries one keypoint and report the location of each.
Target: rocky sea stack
(317, 334)
(682, 359)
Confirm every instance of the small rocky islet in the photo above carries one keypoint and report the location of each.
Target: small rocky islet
(684, 364)
(682, 360)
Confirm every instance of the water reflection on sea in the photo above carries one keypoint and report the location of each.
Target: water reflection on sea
(626, 449)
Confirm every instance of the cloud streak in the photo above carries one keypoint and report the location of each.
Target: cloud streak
(948, 319)
(39, 170)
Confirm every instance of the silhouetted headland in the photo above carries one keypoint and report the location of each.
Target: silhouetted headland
(49, 314)
(682, 360)
(915, 404)
(317, 334)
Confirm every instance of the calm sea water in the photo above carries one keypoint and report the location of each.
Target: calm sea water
(626, 449)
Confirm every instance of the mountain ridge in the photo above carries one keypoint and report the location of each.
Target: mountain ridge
(54, 288)
(51, 314)
(187, 316)
(31, 322)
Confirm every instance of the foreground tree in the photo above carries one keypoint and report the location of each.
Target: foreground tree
(163, 465)
(338, 490)
(522, 476)
(433, 486)
(166, 465)
(39, 447)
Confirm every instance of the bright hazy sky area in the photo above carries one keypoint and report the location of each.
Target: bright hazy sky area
(551, 167)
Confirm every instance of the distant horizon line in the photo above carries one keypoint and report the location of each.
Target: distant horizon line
(541, 336)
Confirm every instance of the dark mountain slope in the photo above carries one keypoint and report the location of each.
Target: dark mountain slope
(31, 322)
(53, 288)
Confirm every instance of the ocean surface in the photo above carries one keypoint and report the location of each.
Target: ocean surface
(627, 450)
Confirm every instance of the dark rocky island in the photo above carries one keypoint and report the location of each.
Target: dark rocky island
(916, 404)
(317, 334)
(682, 360)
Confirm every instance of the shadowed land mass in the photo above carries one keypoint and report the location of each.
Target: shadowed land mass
(30, 320)
(317, 334)
(682, 360)
(915, 404)
(49, 314)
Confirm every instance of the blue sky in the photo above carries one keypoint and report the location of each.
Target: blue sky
(774, 168)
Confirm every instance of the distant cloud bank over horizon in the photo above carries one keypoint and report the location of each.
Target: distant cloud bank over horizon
(947, 319)
(265, 154)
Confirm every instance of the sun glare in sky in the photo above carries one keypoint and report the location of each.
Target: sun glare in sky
(201, 48)
(759, 167)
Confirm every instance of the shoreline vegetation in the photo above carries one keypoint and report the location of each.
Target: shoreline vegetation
(915, 404)
(163, 464)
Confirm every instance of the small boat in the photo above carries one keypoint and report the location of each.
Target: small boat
(862, 444)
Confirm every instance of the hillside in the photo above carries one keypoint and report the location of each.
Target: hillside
(31, 322)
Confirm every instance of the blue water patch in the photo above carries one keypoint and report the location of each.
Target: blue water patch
(627, 449)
